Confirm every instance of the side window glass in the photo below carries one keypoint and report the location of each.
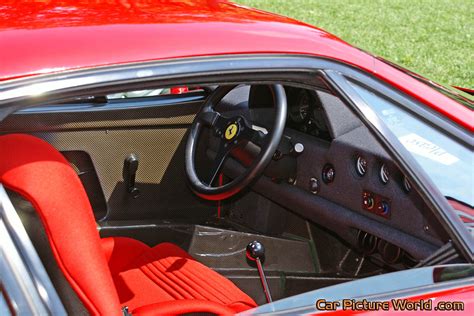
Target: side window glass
(153, 92)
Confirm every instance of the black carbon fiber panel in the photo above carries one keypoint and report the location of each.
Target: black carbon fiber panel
(153, 129)
(160, 177)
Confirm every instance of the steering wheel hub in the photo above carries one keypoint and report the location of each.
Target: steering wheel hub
(232, 131)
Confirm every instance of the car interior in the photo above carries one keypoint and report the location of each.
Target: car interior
(208, 174)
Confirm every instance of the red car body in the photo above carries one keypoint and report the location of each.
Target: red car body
(74, 34)
(46, 37)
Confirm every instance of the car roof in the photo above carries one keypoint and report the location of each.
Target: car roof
(57, 35)
(51, 36)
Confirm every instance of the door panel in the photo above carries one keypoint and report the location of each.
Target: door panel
(155, 134)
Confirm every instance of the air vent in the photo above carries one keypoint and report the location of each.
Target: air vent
(367, 242)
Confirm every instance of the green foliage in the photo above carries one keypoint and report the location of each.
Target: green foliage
(434, 38)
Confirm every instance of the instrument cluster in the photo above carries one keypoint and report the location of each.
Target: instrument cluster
(384, 174)
(306, 114)
(372, 202)
(361, 167)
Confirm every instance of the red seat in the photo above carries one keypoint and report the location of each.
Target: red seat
(163, 279)
(145, 275)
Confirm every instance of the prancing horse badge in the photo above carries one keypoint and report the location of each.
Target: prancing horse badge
(231, 131)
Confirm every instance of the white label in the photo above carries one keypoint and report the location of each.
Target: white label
(420, 146)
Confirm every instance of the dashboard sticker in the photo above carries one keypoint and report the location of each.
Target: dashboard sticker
(422, 147)
(391, 117)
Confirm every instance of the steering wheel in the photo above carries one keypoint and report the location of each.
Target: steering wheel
(232, 132)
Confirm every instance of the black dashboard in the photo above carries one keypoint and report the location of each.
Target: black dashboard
(344, 167)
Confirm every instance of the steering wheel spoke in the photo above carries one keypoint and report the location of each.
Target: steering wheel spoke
(211, 118)
(221, 155)
(254, 136)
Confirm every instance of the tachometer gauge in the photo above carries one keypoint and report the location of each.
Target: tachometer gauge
(361, 166)
(318, 118)
(299, 111)
(384, 174)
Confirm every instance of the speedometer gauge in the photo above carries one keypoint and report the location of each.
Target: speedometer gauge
(299, 111)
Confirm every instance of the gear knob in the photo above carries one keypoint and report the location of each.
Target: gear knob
(255, 250)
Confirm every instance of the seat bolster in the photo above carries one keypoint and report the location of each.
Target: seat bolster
(181, 307)
(36, 171)
(121, 251)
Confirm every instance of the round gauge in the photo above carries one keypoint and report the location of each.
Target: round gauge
(299, 111)
(361, 166)
(329, 173)
(318, 117)
(406, 184)
(384, 174)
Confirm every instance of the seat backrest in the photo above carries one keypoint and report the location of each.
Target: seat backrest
(34, 169)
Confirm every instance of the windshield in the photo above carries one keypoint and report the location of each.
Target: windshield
(447, 162)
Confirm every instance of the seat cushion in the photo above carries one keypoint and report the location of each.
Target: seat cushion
(146, 275)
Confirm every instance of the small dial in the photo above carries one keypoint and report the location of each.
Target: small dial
(368, 201)
(328, 174)
(318, 117)
(361, 166)
(406, 184)
(384, 174)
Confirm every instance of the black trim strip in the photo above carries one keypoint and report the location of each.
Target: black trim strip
(116, 105)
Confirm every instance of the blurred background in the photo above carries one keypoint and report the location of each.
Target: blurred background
(434, 38)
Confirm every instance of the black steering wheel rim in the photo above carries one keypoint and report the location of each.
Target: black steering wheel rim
(207, 116)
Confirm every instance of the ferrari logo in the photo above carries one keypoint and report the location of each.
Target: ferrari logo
(231, 131)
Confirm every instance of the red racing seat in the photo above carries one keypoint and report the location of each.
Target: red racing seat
(110, 273)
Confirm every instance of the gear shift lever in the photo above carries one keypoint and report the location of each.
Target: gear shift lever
(256, 252)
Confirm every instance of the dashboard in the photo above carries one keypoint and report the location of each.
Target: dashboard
(348, 183)
(352, 188)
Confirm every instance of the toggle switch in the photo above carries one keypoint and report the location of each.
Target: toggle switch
(130, 167)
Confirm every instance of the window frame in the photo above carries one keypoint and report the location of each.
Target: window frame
(248, 68)
(408, 164)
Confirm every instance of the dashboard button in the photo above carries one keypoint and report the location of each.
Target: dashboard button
(314, 185)
(384, 208)
(376, 204)
(298, 148)
(368, 201)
